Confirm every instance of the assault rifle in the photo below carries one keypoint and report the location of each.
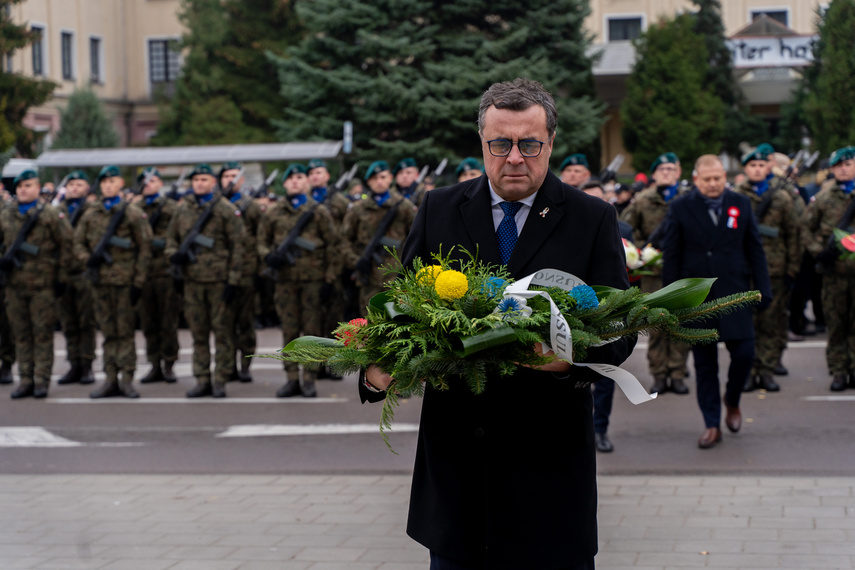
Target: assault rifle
(291, 241)
(262, 190)
(194, 237)
(811, 159)
(611, 170)
(229, 190)
(343, 180)
(100, 253)
(174, 192)
(372, 254)
(20, 244)
(796, 165)
(437, 172)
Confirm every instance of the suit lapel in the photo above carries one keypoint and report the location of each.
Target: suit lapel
(702, 214)
(544, 216)
(478, 221)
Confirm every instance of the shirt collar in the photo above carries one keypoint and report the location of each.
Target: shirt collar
(495, 199)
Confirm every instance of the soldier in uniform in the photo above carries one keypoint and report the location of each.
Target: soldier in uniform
(160, 304)
(117, 286)
(303, 272)
(574, 170)
(666, 357)
(35, 282)
(469, 169)
(76, 307)
(778, 222)
(212, 282)
(363, 223)
(834, 207)
(242, 310)
(7, 343)
(406, 173)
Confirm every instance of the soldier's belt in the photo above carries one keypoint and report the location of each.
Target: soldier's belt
(389, 242)
(29, 249)
(121, 243)
(204, 241)
(768, 231)
(306, 244)
(158, 243)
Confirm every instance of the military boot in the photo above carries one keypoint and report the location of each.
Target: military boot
(24, 390)
(291, 388)
(244, 375)
(750, 383)
(109, 389)
(234, 376)
(201, 389)
(660, 385)
(40, 389)
(127, 385)
(72, 376)
(309, 390)
(766, 382)
(780, 369)
(168, 373)
(154, 375)
(838, 383)
(678, 386)
(86, 376)
(6, 373)
(218, 390)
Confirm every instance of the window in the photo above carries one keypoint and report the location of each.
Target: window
(95, 60)
(9, 67)
(621, 29)
(781, 16)
(67, 55)
(38, 51)
(164, 66)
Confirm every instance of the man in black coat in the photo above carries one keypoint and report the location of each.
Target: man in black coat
(507, 479)
(711, 232)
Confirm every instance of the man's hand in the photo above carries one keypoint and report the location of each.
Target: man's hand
(555, 365)
(378, 378)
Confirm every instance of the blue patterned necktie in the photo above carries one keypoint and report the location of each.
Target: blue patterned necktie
(507, 230)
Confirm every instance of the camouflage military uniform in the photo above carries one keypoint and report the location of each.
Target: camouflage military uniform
(822, 215)
(360, 225)
(666, 357)
(112, 286)
(160, 304)
(31, 289)
(298, 287)
(779, 230)
(205, 283)
(76, 307)
(416, 196)
(7, 342)
(332, 311)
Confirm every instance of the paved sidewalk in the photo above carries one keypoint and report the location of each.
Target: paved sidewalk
(357, 523)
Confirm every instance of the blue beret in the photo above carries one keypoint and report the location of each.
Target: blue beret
(78, 175)
(762, 152)
(154, 172)
(27, 174)
(376, 167)
(841, 154)
(294, 169)
(666, 158)
(109, 171)
(230, 165)
(468, 163)
(315, 163)
(405, 163)
(202, 168)
(574, 159)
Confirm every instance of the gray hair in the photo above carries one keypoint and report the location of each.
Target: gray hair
(519, 95)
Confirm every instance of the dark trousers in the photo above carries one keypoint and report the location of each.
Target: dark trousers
(604, 395)
(706, 370)
(438, 562)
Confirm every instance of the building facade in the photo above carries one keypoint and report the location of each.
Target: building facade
(124, 50)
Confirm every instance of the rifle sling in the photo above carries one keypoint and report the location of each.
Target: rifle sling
(199, 226)
(295, 232)
(384, 226)
(848, 215)
(24, 232)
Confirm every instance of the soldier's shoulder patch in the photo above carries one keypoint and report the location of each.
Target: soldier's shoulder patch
(61, 215)
(237, 213)
(813, 198)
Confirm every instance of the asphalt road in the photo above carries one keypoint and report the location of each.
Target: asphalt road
(804, 429)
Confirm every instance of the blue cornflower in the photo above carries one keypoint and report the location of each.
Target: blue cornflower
(585, 297)
(511, 305)
(493, 286)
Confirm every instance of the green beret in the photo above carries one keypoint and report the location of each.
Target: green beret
(202, 168)
(154, 172)
(574, 159)
(841, 154)
(468, 163)
(315, 163)
(109, 171)
(230, 165)
(666, 158)
(762, 152)
(376, 167)
(405, 163)
(78, 175)
(294, 169)
(27, 174)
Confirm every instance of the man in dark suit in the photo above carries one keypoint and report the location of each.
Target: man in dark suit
(711, 232)
(489, 492)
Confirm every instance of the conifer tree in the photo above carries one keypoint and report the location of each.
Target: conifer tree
(828, 108)
(410, 73)
(17, 93)
(668, 105)
(83, 123)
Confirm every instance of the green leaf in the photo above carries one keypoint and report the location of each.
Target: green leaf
(466, 346)
(305, 341)
(681, 294)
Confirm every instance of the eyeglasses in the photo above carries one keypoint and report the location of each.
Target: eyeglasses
(529, 148)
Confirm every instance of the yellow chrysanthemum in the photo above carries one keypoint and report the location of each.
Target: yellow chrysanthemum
(451, 285)
(427, 275)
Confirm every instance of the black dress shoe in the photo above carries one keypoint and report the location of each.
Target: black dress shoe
(6, 373)
(218, 391)
(603, 443)
(678, 386)
(107, 390)
(200, 390)
(23, 391)
(780, 369)
(709, 438)
(750, 384)
(838, 383)
(766, 382)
